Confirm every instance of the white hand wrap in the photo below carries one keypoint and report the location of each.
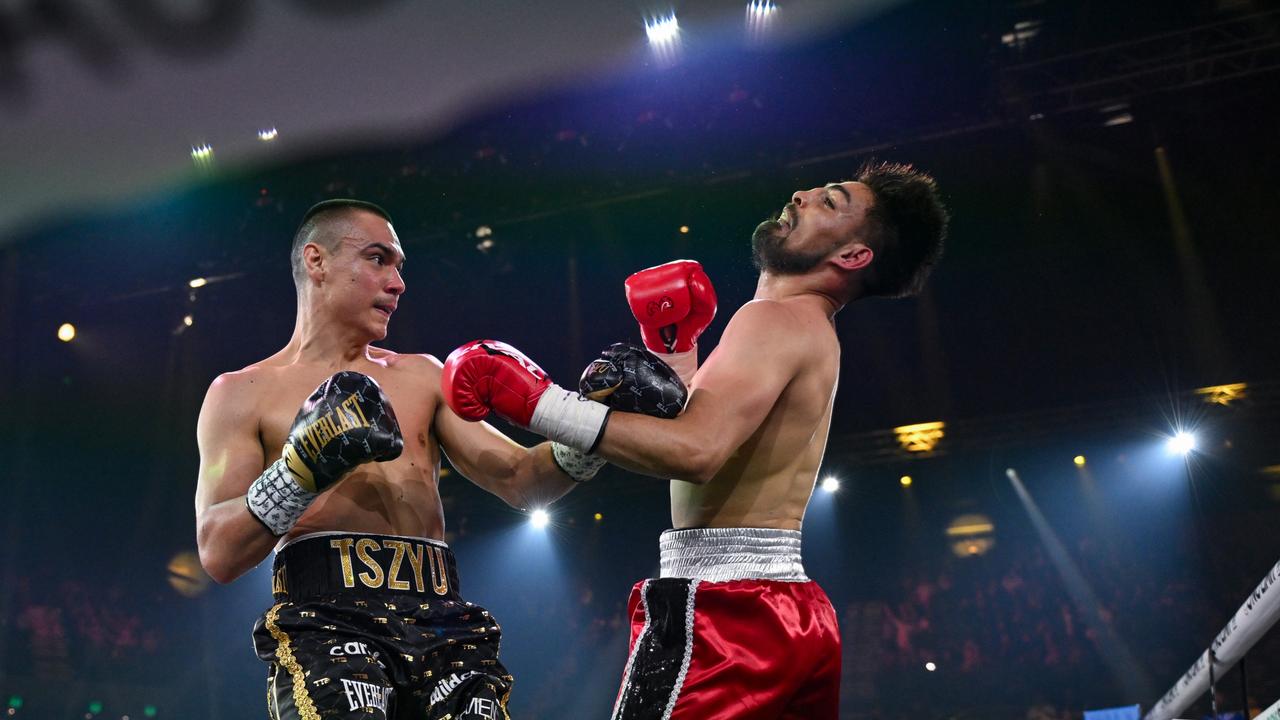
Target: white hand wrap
(277, 500)
(567, 417)
(575, 463)
(684, 363)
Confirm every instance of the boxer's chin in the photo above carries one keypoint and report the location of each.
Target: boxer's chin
(766, 241)
(769, 253)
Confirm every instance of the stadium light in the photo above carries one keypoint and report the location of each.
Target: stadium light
(66, 332)
(539, 518)
(830, 484)
(663, 30)
(1182, 443)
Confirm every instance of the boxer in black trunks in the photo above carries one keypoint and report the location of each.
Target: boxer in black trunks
(368, 621)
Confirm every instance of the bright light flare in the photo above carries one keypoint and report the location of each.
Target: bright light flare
(905, 481)
(830, 484)
(1181, 443)
(1079, 460)
(268, 135)
(759, 17)
(930, 666)
(66, 332)
(539, 518)
(199, 282)
(663, 30)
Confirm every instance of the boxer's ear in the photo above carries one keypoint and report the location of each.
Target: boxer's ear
(854, 256)
(314, 260)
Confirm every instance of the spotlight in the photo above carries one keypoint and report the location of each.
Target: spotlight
(905, 480)
(66, 332)
(830, 484)
(684, 229)
(268, 135)
(197, 282)
(539, 518)
(1181, 443)
(202, 152)
(599, 517)
(188, 320)
(759, 17)
(1079, 460)
(662, 31)
(930, 666)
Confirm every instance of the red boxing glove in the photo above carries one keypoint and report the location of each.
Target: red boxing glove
(489, 375)
(673, 303)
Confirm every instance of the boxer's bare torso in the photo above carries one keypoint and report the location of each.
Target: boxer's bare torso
(767, 481)
(399, 497)
(349, 283)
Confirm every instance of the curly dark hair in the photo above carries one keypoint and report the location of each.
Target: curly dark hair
(907, 224)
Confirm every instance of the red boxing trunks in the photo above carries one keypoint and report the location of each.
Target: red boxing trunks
(373, 627)
(732, 629)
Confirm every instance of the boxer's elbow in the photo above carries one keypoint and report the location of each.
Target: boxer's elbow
(215, 550)
(701, 461)
(217, 565)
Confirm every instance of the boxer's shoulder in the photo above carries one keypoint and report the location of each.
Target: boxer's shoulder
(407, 367)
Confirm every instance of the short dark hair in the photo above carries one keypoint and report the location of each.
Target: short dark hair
(907, 223)
(316, 216)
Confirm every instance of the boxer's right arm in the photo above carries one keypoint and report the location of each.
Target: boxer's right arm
(230, 540)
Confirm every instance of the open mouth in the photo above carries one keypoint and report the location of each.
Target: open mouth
(385, 309)
(785, 219)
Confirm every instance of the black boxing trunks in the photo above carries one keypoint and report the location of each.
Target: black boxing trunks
(373, 627)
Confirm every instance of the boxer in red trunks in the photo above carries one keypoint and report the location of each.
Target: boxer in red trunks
(734, 628)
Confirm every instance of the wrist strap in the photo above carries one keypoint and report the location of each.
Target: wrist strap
(569, 418)
(578, 465)
(684, 363)
(277, 500)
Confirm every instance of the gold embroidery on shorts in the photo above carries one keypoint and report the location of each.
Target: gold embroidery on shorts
(439, 571)
(284, 656)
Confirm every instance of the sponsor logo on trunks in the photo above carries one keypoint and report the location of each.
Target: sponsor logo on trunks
(362, 695)
(387, 570)
(448, 685)
(355, 649)
(486, 708)
(277, 582)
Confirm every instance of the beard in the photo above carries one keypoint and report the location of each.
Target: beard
(769, 254)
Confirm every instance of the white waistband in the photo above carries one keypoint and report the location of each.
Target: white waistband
(720, 554)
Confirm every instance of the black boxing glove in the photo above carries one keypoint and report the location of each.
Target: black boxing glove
(346, 422)
(626, 378)
(632, 379)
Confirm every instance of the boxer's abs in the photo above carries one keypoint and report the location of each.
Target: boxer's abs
(396, 498)
(767, 482)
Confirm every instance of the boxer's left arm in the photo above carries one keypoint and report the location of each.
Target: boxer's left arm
(761, 352)
(522, 477)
